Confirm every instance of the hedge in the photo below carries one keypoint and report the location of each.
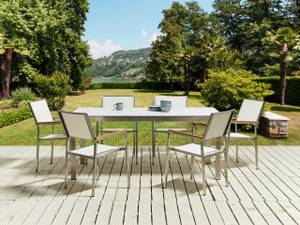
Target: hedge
(137, 85)
(292, 95)
(292, 89)
(14, 116)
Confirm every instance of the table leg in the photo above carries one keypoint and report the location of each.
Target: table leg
(82, 159)
(73, 159)
(153, 141)
(218, 160)
(136, 144)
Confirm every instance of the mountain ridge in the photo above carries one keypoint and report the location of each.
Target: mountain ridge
(121, 65)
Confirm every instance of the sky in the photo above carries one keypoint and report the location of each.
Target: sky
(113, 25)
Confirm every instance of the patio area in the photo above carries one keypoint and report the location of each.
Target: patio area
(270, 195)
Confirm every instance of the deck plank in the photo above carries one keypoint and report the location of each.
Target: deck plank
(270, 195)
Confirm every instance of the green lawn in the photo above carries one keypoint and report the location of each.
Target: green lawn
(24, 133)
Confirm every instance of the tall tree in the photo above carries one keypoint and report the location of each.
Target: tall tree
(282, 46)
(231, 15)
(52, 31)
(10, 46)
(183, 53)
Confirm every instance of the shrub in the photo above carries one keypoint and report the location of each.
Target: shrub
(85, 82)
(5, 104)
(14, 116)
(53, 88)
(137, 85)
(22, 94)
(226, 89)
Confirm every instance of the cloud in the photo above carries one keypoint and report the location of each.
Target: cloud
(98, 50)
(144, 32)
(154, 37)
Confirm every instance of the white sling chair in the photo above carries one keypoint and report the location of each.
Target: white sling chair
(249, 114)
(217, 128)
(42, 116)
(77, 125)
(108, 102)
(178, 102)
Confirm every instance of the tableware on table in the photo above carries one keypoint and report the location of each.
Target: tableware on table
(154, 108)
(165, 105)
(119, 106)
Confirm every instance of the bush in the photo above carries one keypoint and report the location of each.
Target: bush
(85, 82)
(5, 104)
(22, 94)
(14, 116)
(226, 89)
(137, 85)
(53, 88)
(292, 93)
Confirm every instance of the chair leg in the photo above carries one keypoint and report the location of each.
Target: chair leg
(101, 130)
(127, 168)
(167, 168)
(66, 166)
(97, 128)
(98, 164)
(256, 154)
(37, 155)
(94, 177)
(237, 154)
(218, 167)
(52, 152)
(194, 131)
(192, 166)
(203, 176)
(226, 168)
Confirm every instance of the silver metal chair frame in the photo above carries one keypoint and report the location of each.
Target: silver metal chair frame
(158, 130)
(134, 130)
(203, 140)
(95, 140)
(51, 138)
(254, 137)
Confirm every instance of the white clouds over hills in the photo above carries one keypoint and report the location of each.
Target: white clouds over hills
(98, 50)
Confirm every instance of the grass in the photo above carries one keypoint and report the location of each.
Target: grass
(24, 133)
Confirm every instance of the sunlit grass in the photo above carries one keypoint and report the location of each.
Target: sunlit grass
(24, 133)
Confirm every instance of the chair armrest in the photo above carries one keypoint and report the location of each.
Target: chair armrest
(199, 124)
(110, 135)
(184, 134)
(244, 122)
(50, 123)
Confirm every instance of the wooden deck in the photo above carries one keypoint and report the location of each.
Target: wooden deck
(270, 195)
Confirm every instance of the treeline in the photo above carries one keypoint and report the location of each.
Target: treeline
(40, 37)
(259, 36)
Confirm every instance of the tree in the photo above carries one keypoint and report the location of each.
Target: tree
(282, 46)
(231, 15)
(184, 52)
(10, 43)
(52, 32)
(245, 23)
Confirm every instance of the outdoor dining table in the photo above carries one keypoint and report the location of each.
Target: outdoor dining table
(144, 114)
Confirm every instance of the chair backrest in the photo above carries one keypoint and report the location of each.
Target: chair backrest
(41, 111)
(218, 125)
(177, 101)
(108, 101)
(77, 125)
(250, 110)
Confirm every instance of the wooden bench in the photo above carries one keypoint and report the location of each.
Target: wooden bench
(273, 125)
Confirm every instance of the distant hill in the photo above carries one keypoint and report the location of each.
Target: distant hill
(121, 65)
